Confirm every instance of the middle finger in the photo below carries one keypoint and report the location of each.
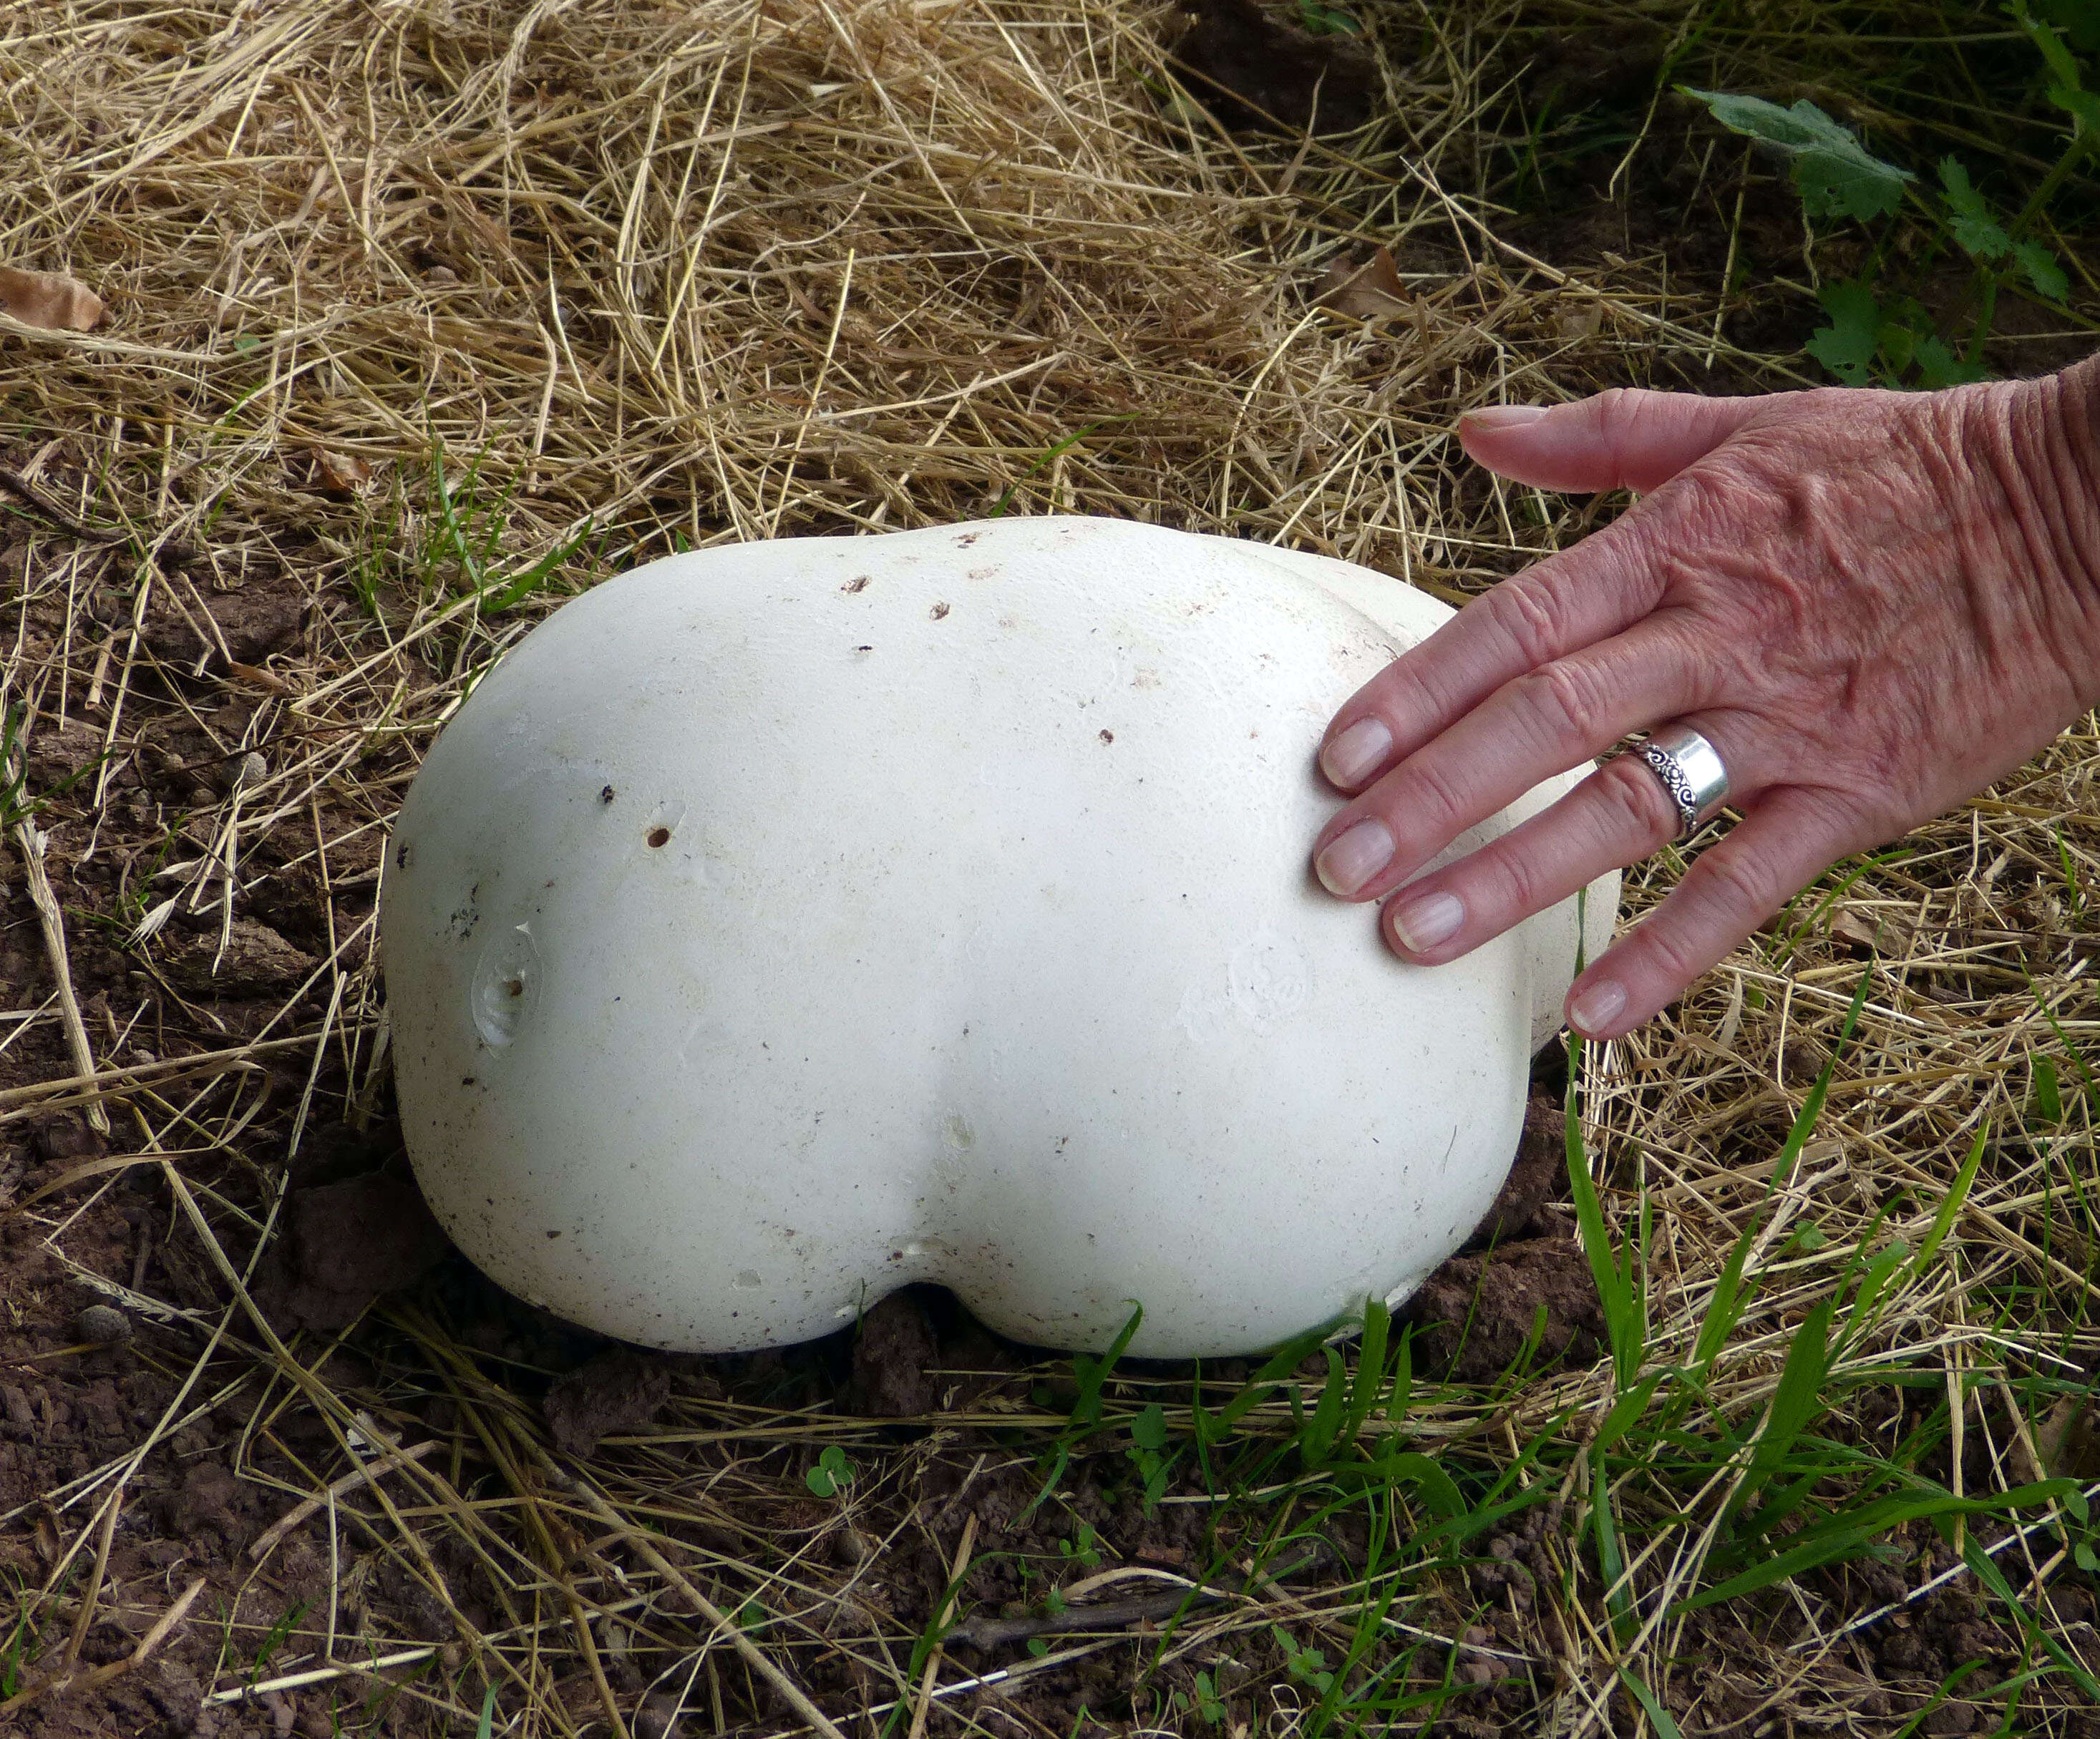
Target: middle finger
(1550, 719)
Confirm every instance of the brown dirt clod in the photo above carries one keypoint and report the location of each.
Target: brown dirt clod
(614, 1391)
(343, 1245)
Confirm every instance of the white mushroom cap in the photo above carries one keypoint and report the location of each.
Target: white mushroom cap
(782, 922)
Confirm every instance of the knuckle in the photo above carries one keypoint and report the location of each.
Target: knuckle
(1620, 412)
(1632, 804)
(1737, 882)
(1437, 803)
(1564, 697)
(1670, 949)
(1515, 883)
(1529, 614)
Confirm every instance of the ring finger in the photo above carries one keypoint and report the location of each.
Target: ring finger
(1617, 815)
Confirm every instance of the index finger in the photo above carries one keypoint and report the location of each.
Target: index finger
(1557, 607)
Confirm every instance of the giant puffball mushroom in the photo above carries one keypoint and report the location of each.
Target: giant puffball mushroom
(783, 923)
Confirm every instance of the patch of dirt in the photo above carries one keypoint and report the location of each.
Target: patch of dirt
(186, 624)
(1537, 1175)
(1529, 1303)
(250, 955)
(1254, 71)
(893, 1358)
(343, 1245)
(614, 1391)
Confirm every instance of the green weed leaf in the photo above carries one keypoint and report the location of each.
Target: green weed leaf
(1848, 346)
(1969, 217)
(1418, 1472)
(2043, 272)
(1148, 1431)
(1938, 366)
(831, 1472)
(1838, 177)
(1318, 1437)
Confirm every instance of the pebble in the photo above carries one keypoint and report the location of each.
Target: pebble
(248, 769)
(103, 1325)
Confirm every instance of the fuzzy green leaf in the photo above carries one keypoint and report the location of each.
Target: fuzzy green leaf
(2043, 272)
(1148, 1431)
(1968, 216)
(2082, 106)
(1938, 366)
(1846, 346)
(1836, 175)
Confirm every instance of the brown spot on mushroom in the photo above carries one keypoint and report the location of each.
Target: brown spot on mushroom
(938, 611)
(1108, 736)
(659, 837)
(605, 796)
(859, 583)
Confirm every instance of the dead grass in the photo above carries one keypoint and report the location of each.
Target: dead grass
(404, 297)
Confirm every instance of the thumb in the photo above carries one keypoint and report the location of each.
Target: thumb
(1624, 438)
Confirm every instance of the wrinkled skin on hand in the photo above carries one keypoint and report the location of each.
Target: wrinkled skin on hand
(1872, 604)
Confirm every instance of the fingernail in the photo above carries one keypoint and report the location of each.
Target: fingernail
(1424, 923)
(1355, 752)
(1353, 858)
(1597, 1007)
(1494, 418)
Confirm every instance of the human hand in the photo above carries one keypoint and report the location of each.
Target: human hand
(1872, 604)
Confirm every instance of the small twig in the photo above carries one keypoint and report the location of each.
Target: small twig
(759, 1661)
(269, 1539)
(32, 843)
(933, 1657)
(988, 1634)
(91, 1595)
(44, 508)
(94, 1085)
(102, 1675)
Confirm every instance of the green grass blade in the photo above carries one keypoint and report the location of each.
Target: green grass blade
(1850, 1534)
(1659, 1717)
(1611, 1561)
(1798, 1400)
(1614, 1290)
(1092, 1373)
(1370, 1371)
(1988, 1572)
(1943, 1222)
(1317, 1440)
(1725, 1309)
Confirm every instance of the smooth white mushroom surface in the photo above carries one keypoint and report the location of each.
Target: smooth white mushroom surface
(779, 923)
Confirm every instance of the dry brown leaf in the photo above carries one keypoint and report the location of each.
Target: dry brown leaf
(2066, 1440)
(1883, 935)
(1370, 291)
(1580, 320)
(49, 299)
(255, 677)
(340, 474)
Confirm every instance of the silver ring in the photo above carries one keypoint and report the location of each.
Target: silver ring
(1690, 770)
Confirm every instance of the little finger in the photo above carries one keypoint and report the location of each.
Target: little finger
(1789, 837)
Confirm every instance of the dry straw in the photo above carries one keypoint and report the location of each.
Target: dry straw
(404, 297)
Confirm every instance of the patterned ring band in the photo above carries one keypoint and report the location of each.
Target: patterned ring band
(1690, 770)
